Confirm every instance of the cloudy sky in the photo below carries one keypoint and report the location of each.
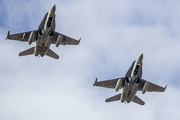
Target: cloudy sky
(113, 34)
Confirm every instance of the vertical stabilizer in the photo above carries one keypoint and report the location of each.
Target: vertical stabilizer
(43, 22)
(130, 70)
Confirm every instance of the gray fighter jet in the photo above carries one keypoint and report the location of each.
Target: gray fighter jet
(130, 84)
(43, 37)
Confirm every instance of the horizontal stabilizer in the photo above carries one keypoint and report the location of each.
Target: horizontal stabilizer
(137, 100)
(114, 98)
(52, 54)
(27, 52)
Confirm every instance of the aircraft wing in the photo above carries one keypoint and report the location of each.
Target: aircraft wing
(152, 87)
(22, 36)
(65, 39)
(107, 83)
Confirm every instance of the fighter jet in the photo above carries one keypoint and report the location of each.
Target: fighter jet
(43, 37)
(130, 84)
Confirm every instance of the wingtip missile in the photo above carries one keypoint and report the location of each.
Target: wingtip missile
(8, 34)
(79, 41)
(165, 87)
(95, 82)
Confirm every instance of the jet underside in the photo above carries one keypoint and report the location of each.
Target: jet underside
(43, 37)
(130, 84)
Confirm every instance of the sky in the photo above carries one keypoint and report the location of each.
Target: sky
(113, 34)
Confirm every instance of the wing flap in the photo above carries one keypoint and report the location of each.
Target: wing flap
(27, 52)
(52, 54)
(114, 98)
(137, 100)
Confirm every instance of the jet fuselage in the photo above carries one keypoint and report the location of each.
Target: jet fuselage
(131, 84)
(45, 34)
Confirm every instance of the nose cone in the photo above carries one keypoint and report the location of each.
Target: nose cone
(53, 9)
(141, 56)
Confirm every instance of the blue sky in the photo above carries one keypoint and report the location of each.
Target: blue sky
(113, 34)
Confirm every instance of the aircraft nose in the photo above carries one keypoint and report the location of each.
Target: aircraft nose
(53, 8)
(141, 56)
